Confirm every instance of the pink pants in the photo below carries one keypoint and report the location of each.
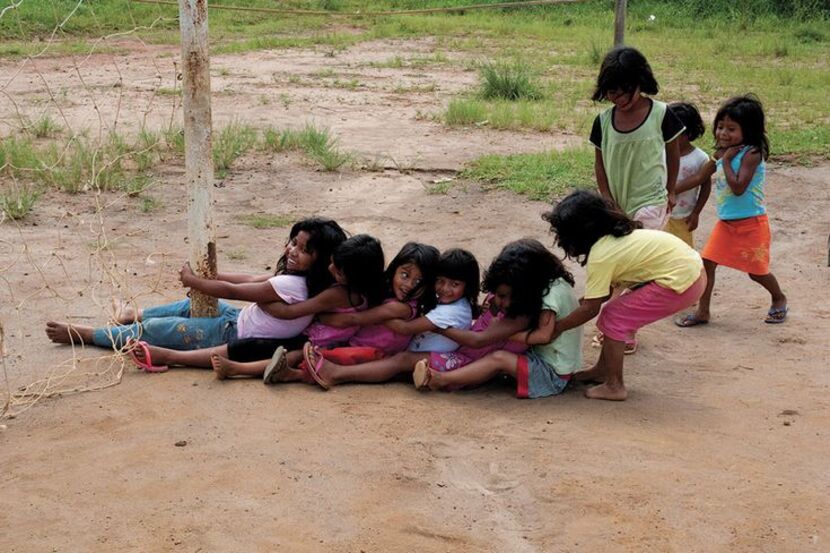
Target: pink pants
(623, 316)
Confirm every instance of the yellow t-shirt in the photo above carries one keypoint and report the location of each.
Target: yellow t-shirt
(640, 257)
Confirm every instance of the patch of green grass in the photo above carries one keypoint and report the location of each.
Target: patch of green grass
(166, 91)
(462, 112)
(801, 142)
(135, 185)
(17, 202)
(237, 254)
(267, 220)
(318, 144)
(230, 143)
(540, 176)
(174, 139)
(148, 204)
(508, 81)
(45, 127)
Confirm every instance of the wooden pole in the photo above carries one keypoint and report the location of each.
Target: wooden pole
(198, 158)
(619, 22)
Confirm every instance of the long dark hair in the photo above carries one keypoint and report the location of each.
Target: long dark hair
(458, 264)
(324, 235)
(360, 258)
(528, 268)
(690, 117)
(424, 257)
(748, 112)
(624, 69)
(582, 218)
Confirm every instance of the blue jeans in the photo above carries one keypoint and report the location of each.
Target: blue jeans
(170, 326)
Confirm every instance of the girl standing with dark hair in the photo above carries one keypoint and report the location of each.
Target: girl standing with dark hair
(636, 152)
(663, 274)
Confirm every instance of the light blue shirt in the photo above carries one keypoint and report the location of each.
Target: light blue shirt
(458, 314)
(748, 204)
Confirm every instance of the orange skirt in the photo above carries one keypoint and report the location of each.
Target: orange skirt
(742, 244)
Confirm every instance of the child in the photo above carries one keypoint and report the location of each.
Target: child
(663, 273)
(301, 272)
(741, 237)
(636, 156)
(456, 291)
(692, 190)
(410, 273)
(534, 289)
(357, 269)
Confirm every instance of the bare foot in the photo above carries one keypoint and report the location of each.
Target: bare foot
(63, 333)
(606, 391)
(158, 356)
(217, 362)
(124, 313)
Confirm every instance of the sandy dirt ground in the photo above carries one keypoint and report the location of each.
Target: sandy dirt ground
(722, 445)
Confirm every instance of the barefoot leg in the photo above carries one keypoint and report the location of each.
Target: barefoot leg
(612, 388)
(375, 371)
(64, 333)
(200, 358)
(595, 373)
(224, 367)
(477, 372)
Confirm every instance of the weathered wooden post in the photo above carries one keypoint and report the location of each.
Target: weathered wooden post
(198, 158)
(619, 22)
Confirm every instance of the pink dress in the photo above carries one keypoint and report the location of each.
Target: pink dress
(325, 336)
(382, 338)
(464, 355)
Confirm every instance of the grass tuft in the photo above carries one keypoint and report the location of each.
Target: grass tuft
(18, 202)
(508, 81)
(231, 142)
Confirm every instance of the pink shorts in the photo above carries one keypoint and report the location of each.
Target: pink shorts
(624, 315)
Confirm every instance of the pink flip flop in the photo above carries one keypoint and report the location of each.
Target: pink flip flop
(314, 361)
(145, 364)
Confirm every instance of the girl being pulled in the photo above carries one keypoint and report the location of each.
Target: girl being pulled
(356, 269)
(663, 274)
(741, 237)
(531, 290)
(301, 271)
(456, 292)
(409, 274)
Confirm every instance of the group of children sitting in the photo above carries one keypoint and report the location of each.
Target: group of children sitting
(333, 312)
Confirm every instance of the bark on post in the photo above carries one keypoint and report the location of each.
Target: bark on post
(619, 22)
(198, 158)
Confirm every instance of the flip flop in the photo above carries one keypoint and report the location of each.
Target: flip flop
(421, 375)
(689, 319)
(145, 364)
(276, 367)
(631, 347)
(777, 315)
(596, 341)
(314, 361)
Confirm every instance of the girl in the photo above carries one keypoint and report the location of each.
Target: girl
(692, 190)
(533, 288)
(356, 268)
(410, 273)
(301, 272)
(456, 291)
(637, 155)
(663, 273)
(741, 237)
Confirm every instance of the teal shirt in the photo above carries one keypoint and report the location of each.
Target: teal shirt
(749, 204)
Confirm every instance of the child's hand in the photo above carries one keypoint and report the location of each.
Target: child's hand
(718, 154)
(692, 221)
(671, 202)
(731, 152)
(186, 275)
